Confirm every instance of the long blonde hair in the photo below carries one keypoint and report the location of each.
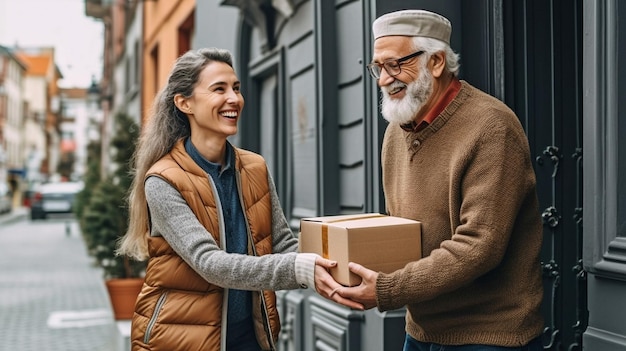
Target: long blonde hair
(166, 125)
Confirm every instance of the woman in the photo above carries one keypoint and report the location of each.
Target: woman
(207, 216)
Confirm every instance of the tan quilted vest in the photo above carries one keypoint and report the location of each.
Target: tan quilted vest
(177, 309)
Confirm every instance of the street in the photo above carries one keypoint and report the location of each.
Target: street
(51, 297)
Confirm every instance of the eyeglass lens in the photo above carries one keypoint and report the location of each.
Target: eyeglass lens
(392, 67)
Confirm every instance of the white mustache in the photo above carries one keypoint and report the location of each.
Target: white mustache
(393, 86)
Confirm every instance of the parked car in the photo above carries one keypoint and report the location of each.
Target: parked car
(29, 193)
(54, 198)
(6, 198)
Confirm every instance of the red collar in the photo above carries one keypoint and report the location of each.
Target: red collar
(444, 101)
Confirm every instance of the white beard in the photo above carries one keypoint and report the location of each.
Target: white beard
(404, 110)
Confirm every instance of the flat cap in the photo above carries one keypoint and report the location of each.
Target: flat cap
(413, 23)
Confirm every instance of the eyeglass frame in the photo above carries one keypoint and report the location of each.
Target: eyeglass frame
(384, 64)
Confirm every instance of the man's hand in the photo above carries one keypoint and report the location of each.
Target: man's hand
(326, 286)
(364, 293)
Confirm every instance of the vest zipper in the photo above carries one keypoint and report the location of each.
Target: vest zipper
(222, 235)
(155, 315)
(251, 241)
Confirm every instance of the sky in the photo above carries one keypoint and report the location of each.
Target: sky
(62, 24)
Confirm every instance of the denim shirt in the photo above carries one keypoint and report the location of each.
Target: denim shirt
(239, 301)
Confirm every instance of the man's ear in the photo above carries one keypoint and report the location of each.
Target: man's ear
(182, 103)
(437, 63)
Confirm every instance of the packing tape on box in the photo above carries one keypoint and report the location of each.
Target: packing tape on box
(325, 229)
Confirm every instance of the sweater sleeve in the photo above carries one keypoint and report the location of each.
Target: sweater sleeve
(172, 219)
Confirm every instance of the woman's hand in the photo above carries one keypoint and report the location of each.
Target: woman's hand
(326, 285)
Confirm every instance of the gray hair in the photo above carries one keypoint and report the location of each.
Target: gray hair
(165, 126)
(431, 46)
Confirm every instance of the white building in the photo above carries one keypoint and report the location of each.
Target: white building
(79, 125)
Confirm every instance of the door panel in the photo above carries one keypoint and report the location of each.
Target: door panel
(543, 78)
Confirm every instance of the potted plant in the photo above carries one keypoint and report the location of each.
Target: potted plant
(104, 219)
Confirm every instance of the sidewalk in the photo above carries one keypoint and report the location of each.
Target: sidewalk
(51, 295)
(17, 214)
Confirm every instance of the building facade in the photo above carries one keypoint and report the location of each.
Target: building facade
(168, 33)
(76, 130)
(41, 93)
(312, 111)
(128, 64)
(12, 111)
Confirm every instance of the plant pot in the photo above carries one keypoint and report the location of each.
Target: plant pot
(123, 295)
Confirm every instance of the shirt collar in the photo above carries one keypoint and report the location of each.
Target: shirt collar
(205, 164)
(440, 105)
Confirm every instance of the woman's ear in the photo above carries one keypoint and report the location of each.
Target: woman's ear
(182, 103)
(437, 63)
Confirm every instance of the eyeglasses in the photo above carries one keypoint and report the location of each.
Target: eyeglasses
(391, 66)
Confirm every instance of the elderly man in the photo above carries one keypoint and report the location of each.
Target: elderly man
(457, 160)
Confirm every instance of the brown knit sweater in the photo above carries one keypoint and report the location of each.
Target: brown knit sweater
(468, 178)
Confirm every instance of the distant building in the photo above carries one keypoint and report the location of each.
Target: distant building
(12, 115)
(41, 92)
(76, 125)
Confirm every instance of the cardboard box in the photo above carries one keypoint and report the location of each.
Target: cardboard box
(379, 242)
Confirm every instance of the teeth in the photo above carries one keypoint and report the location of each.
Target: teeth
(230, 114)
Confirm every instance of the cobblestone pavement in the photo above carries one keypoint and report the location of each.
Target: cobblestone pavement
(51, 297)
